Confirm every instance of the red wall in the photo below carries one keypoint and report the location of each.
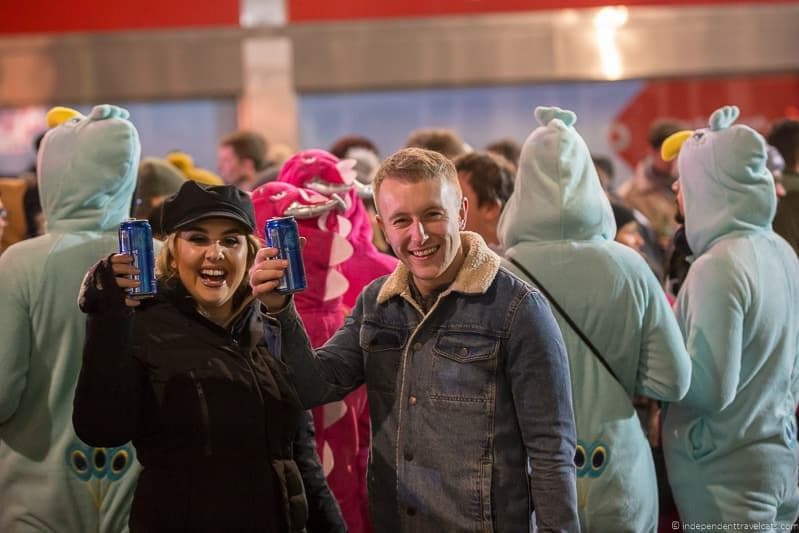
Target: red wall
(761, 99)
(60, 16)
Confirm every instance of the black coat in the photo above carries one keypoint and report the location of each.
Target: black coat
(213, 419)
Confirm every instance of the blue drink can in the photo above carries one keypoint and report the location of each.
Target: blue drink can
(282, 233)
(136, 239)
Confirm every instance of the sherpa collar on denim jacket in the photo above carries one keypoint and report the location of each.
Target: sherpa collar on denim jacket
(480, 267)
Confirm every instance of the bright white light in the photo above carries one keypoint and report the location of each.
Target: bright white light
(611, 17)
(606, 22)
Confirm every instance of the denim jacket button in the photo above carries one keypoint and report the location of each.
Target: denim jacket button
(464, 351)
(417, 346)
(411, 511)
(412, 400)
(408, 456)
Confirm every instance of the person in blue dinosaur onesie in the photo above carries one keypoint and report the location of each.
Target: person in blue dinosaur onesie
(730, 444)
(558, 225)
(49, 479)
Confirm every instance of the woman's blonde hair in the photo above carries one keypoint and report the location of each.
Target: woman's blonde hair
(165, 269)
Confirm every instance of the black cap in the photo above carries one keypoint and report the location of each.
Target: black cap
(195, 202)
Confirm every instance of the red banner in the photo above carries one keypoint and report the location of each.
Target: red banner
(59, 16)
(760, 99)
(332, 10)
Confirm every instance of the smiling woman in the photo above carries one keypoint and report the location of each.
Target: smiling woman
(209, 247)
(210, 258)
(190, 378)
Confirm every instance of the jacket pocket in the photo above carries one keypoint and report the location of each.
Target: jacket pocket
(466, 347)
(464, 366)
(205, 416)
(295, 504)
(379, 338)
(382, 347)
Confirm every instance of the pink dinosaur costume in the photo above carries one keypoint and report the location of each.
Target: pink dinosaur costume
(342, 439)
(320, 304)
(325, 173)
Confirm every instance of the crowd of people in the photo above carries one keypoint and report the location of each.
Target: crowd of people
(491, 340)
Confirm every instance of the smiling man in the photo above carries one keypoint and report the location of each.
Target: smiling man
(465, 368)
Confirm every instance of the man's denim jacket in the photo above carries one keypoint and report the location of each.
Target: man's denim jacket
(459, 399)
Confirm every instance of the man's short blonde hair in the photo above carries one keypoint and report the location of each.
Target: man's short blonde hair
(415, 165)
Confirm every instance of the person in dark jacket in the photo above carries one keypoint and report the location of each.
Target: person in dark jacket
(190, 378)
(466, 372)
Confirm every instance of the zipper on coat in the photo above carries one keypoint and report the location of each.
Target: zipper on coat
(238, 351)
(204, 414)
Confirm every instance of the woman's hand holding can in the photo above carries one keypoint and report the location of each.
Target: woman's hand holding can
(122, 266)
(265, 276)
